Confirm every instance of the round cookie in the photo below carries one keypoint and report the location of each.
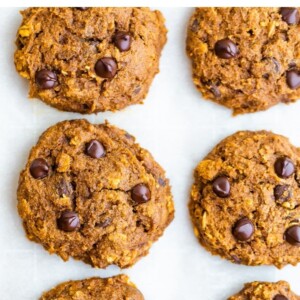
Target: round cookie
(245, 202)
(113, 288)
(91, 193)
(89, 59)
(246, 59)
(265, 291)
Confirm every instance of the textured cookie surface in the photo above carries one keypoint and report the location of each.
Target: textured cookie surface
(91, 193)
(265, 291)
(114, 288)
(246, 59)
(245, 200)
(89, 59)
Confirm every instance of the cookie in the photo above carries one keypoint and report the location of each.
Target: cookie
(265, 291)
(246, 59)
(91, 193)
(245, 201)
(114, 288)
(89, 59)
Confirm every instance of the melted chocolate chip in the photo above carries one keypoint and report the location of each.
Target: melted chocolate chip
(45, 79)
(292, 235)
(68, 221)
(122, 41)
(280, 297)
(221, 186)
(95, 149)
(243, 229)
(293, 79)
(226, 48)
(284, 167)
(39, 168)
(106, 67)
(140, 194)
(290, 15)
(281, 192)
(64, 188)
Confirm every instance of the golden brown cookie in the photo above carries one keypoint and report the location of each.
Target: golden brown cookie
(245, 202)
(89, 59)
(265, 291)
(247, 59)
(91, 193)
(114, 288)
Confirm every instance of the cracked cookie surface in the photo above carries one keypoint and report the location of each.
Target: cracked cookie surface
(91, 193)
(247, 59)
(91, 59)
(265, 291)
(113, 288)
(245, 200)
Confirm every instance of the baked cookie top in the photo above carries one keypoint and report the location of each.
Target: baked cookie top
(265, 291)
(91, 193)
(113, 288)
(247, 59)
(89, 59)
(245, 200)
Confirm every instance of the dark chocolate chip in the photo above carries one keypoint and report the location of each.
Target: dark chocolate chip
(236, 259)
(284, 167)
(215, 90)
(81, 8)
(64, 188)
(281, 192)
(290, 15)
(122, 41)
(68, 221)
(226, 48)
(95, 149)
(106, 67)
(221, 186)
(46, 79)
(293, 79)
(140, 194)
(292, 235)
(280, 297)
(243, 229)
(105, 223)
(195, 25)
(39, 168)
(161, 182)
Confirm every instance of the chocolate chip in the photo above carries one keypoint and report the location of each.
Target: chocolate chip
(64, 188)
(236, 259)
(243, 229)
(293, 79)
(226, 48)
(81, 8)
(215, 90)
(105, 223)
(221, 186)
(161, 182)
(292, 235)
(140, 194)
(281, 192)
(68, 221)
(284, 167)
(45, 79)
(106, 67)
(39, 168)
(122, 41)
(290, 15)
(195, 25)
(280, 297)
(95, 149)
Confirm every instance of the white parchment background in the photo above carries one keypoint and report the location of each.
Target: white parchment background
(179, 128)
